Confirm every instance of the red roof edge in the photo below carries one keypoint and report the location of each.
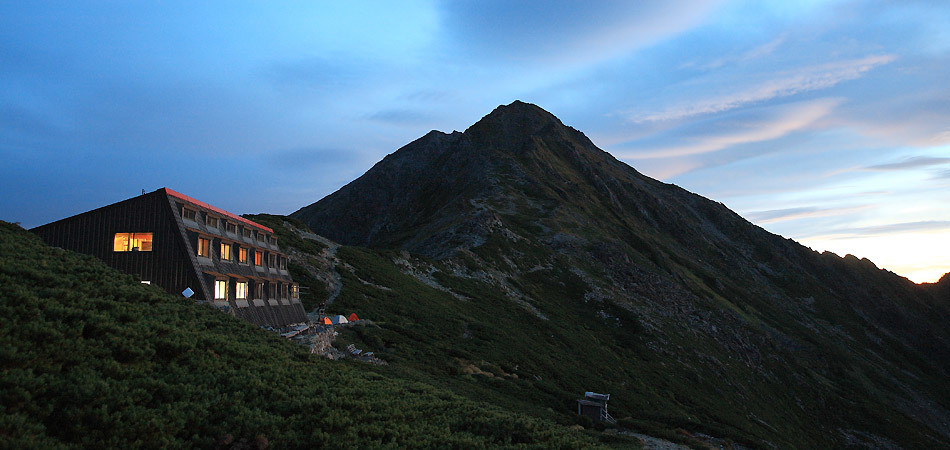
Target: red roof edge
(216, 209)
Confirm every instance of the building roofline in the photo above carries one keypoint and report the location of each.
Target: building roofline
(188, 199)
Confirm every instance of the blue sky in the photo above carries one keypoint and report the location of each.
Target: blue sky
(824, 121)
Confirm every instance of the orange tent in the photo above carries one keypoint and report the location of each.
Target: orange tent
(352, 317)
(325, 321)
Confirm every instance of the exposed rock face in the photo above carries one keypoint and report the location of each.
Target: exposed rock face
(520, 198)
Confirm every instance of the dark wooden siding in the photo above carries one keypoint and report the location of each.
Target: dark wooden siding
(93, 233)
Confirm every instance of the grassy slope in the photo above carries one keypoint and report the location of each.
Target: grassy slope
(435, 337)
(90, 358)
(797, 388)
(431, 335)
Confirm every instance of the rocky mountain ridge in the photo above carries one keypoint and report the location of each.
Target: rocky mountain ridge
(523, 209)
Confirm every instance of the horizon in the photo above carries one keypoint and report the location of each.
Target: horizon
(824, 122)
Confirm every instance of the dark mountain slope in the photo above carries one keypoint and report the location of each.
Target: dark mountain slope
(820, 349)
(520, 173)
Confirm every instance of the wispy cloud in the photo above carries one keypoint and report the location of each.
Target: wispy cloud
(401, 117)
(767, 124)
(881, 230)
(781, 85)
(755, 53)
(911, 163)
(780, 215)
(559, 31)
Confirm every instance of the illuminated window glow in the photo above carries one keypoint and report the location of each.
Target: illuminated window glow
(204, 247)
(242, 255)
(225, 251)
(295, 291)
(132, 242)
(258, 258)
(220, 289)
(241, 290)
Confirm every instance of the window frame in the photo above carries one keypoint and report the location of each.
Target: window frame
(225, 251)
(258, 258)
(230, 227)
(206, 248)
(131, 240)
(218, 287)
(185, 213)
(242, 255)
(212, 221)
(239, 293)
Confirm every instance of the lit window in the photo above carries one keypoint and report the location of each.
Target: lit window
(189, 214)
(225, 251)
(220, 289)
(294, 291)
(204, 247)
(242, 255)
(230, 227)
(258, 258)
(241, 290)
(132, 242)
(211, 221)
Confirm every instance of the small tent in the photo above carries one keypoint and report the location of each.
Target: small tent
(353, 317)
(338, 320)
(325, 321)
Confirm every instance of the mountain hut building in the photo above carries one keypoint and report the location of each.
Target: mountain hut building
(186, 246)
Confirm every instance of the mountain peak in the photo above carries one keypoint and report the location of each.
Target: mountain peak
(425, 197)
(513, 123)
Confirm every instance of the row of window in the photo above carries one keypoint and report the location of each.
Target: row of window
(231, 227)
(204, 249)
(241, 290)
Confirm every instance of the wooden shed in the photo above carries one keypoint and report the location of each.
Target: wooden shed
(594, 406)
